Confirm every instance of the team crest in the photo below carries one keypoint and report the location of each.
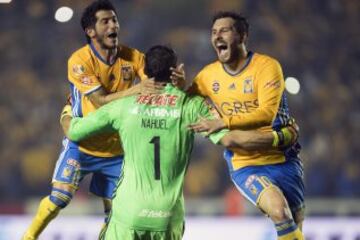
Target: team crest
(66, 172)
(253, 190)
(216, 86)
(126, 73)
(248, 85)
(78, 69)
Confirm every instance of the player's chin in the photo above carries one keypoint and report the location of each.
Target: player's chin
(223, 59)
(111, 43)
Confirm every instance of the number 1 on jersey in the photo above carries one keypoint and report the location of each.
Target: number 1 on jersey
(156, 141)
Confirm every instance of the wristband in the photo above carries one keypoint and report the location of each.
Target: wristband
(276, 139)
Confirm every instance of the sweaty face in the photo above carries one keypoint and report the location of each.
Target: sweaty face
(107, 29)
(225, 40)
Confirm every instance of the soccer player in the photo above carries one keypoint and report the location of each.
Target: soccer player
(157, 143)
(99, 72)
(248, 90)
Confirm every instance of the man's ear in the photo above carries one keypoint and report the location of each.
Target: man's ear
(243, 38)
(90, 32)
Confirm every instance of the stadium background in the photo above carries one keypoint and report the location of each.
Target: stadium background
(316, 41)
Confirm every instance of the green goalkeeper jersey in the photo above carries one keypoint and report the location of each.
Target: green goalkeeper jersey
(157, 144)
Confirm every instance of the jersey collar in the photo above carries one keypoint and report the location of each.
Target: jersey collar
(97, 54)
(248, 60)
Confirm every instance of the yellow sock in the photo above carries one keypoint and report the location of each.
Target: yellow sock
(47, 211)
(288, 231)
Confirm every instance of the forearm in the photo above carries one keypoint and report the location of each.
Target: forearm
(80, 128)
(65, 124)
(249, 140)
(117, 95)
(101, 97)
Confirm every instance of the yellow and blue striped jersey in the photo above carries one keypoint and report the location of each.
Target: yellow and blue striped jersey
(87, 72)
(251, 99)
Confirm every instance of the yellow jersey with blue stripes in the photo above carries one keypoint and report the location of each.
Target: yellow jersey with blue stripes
(87, 72)
(251, 99)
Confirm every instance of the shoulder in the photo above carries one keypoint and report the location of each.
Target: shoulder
(214, 66)
(265, 60)
(81, 55)
(194, 100)
(130, 54)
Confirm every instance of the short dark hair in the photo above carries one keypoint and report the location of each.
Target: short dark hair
(158, 60)
(88, 18)
(241, 23)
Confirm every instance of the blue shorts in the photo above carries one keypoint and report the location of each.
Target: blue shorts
(73, 165)
(287, 176)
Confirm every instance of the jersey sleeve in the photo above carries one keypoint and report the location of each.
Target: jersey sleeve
(270, 90)
(196, 87)
(140, 65)
(202, 109)
(82, 75)
(99, 121)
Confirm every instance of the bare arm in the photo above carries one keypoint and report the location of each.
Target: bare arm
(101, 97)
(254, 140)
(248, 140)
(65, 118)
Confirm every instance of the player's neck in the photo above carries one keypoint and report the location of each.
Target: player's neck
(239, 62)
(108, 55)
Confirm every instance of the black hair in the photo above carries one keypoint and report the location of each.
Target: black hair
(88, 18)
(241, 23)
(158, 60)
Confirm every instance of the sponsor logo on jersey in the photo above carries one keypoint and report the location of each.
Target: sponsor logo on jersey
(86, 80)
(157, 100)
(73, 162)
(126, 72)
(232, 86)
(248, 85)
(154, 213)
(156, 112)
(234, 108)
(250, 180)
(78, 69)
(273, 84)
(66, 172)
(216, 87)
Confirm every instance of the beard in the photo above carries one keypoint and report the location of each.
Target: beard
(102, 42)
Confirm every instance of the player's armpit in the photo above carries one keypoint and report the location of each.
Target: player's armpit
(98, 97)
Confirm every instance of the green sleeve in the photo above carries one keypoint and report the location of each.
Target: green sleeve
(201, 109)
(99, 121)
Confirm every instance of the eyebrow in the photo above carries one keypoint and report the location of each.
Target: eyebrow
(107, 18)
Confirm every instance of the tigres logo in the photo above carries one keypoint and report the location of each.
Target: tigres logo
(126, 73)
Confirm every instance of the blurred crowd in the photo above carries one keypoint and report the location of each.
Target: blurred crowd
(316, 41)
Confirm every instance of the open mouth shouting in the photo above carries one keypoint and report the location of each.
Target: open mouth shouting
(222, 50)
(112, 36)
